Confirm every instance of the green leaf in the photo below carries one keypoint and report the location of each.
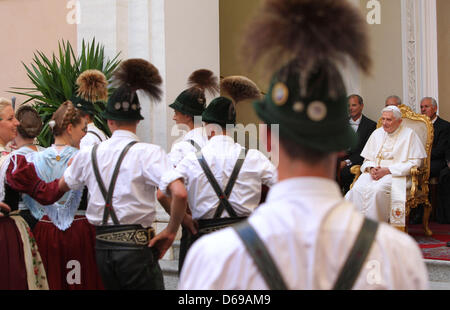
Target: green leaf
(54, 80)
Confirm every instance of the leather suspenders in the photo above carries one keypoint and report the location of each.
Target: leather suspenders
(95, 134)
(223, 195)
(348, 275)
(357, 257)
(261, 256)
(195, 144)
(108, 195)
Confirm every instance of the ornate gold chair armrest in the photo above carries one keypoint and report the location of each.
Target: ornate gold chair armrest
(356, 170)
(415, 173)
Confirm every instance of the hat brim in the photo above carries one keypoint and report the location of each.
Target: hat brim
(177, 106)
(121, 116)
(334, 141)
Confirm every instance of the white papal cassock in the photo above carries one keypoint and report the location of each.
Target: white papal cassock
(384, 200)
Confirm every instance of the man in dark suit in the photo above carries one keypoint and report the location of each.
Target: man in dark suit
(443, 211)
(441, 144)
(364, 127)
(429, 107)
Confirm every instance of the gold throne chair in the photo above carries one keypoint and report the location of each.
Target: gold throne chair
(420, 176)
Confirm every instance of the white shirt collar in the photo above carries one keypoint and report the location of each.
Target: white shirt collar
(196, 132)
(221, 139)
(304, 186)
(357, 122)
(124, 134)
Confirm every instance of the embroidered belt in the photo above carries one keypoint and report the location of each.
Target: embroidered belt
(212, 225)
(140, 237)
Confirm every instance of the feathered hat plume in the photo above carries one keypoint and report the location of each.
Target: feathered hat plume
(240, 88)
(92, 86)
(308, 31)
(140, 74)
(205, 80)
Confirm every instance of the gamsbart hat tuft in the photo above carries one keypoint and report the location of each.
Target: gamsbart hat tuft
(302, 43)
(92, 88)
(131, 76)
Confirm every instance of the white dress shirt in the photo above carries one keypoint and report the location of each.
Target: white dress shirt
(134, 198)
(91, 139)
(181, 149)
(308, 251)
(355, 124)
(221, 154)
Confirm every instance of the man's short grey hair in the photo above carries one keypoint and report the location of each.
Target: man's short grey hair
(395, 111)
(433, 101)
(358, 97)
(399, 101)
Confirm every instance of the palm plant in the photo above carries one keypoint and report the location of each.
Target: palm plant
(54, 81)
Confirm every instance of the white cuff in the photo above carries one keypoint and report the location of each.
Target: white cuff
(167, 179)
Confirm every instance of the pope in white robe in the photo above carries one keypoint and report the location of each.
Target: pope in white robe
(390, 153)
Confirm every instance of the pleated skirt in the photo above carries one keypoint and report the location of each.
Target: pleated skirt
(69, 256)
(13, 274)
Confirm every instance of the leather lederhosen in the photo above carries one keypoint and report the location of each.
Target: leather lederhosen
(124, 259)
(117, 236)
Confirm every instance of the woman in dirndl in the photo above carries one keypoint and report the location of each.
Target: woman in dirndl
(30, 126)
(65, 238)
(21, 264)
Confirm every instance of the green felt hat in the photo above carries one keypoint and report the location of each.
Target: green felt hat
(123, 105)
(191, 102)
(310, 111)
(83, 105)
(220, 111)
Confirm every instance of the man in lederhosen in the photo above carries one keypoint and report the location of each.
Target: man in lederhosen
(188, 108)
(224, 168)
(122, 176)
(306, 236)
(92, 88)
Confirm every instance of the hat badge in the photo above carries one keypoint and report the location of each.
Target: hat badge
(280, 94)
(126, 106)
(317, 111)
(298, 107)
(117, 106)
(134, 107)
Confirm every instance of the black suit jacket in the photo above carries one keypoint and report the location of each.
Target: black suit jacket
(365, 129)
(440, 145)
(447, 154)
